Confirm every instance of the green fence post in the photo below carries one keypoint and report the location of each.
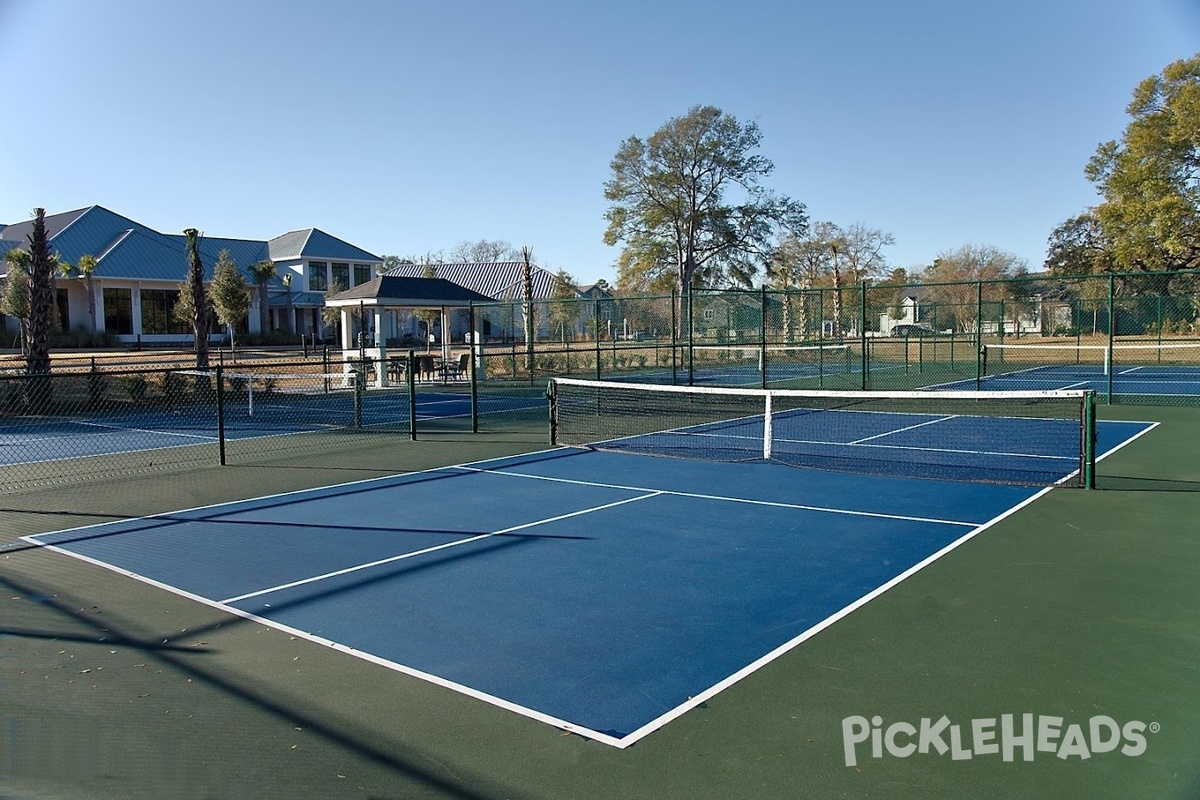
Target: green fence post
(691, 335)
(221, 414)
(978, 333)
(1089, 440)
(411, 372)
(472, 366)
(762, 339)
(862, 335)
(1112, 324)
(360, 379)
(674, 337)
(821, 339)
(596, 335)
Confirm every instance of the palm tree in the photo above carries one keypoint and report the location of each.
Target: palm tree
(87, 270)
(287, 288)
(261, 274)
(198, 298)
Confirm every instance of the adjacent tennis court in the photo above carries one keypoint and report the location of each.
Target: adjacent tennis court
(28, 440)
(605, 593)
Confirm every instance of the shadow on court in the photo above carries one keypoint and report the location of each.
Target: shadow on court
(63, 620)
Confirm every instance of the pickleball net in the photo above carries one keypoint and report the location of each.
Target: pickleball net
(303, 400)
(1041, 438)
(1155, 359)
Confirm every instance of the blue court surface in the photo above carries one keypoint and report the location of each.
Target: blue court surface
(25, 440)
(602, 593)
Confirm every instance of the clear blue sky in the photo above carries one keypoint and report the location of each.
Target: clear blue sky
(405, 127)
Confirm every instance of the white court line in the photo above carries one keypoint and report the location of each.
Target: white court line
(878, 446)
(699, 496)
(499, 702)
(146, 430)
(901, 430)
(413, 554)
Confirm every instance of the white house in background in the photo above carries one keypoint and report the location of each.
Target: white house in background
(909, 307)
(138, 272)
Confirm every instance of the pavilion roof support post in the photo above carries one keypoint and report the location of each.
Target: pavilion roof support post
(446, 355)
(380, 348)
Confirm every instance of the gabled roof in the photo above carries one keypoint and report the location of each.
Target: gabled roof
(55, 223)
(499, 280)
(315, 243)
(393, 290)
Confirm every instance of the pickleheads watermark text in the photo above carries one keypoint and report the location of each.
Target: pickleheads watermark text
(1006, 736)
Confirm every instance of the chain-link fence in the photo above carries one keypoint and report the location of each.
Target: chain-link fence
(1132, 338)
(67, 425)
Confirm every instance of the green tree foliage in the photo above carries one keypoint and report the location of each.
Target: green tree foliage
(15, 301)
(1079, 246)
(1150, 179)
(688, 201)
(950, 282)
(41, 299)
(564, 306)
(332, 317)
(229, 293)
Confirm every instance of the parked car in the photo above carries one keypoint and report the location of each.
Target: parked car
(912, 330)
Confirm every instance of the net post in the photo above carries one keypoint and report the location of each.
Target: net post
(1089, 440)
(221, 414)
(411, 379)
(250, 396)
(767, 427)
(551, 400)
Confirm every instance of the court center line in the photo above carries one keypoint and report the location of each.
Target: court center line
(435, 548)
(901, 430)
(699, 496)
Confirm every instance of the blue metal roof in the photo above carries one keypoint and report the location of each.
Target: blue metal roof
(128, 250)
(142, 257)
(500, 280)
(55, 223)
(315, 243)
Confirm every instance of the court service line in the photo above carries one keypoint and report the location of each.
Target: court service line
(902, 430)
(881, 446)
(699, 496)
(435, 548)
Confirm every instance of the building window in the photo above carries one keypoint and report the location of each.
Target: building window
(158, 307)
(318, 280)
(341, 276)
(362, 273)
(118, 311)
